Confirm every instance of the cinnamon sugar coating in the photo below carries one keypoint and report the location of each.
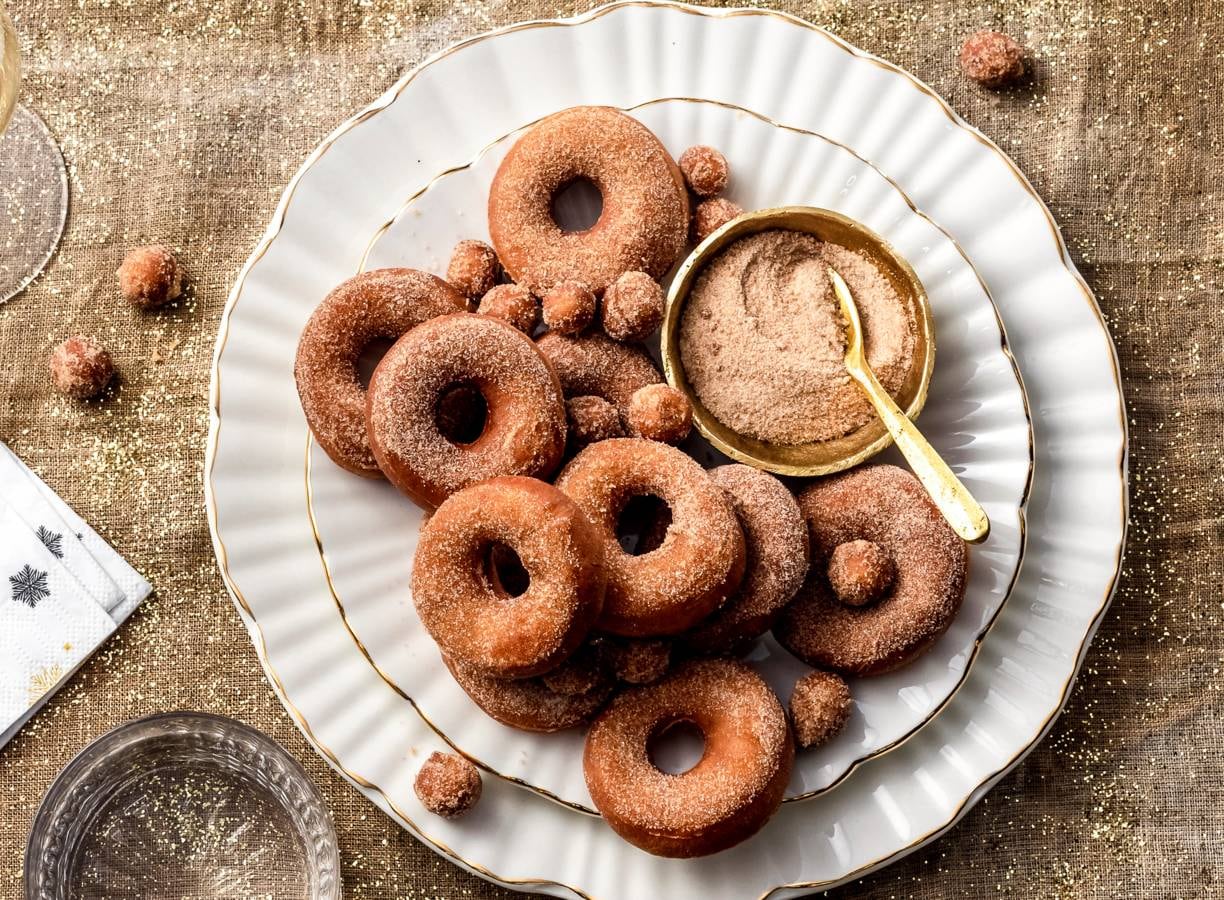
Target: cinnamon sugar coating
(447, 784)
(594, 365)
(474, 620)
(701, 559)
(81, 368)
(645, 212)
(711, 215)
(658, 412)
(584, 671)
(511, 303)
(591, 419)
(529, 704)
(381, 304)
(524, 432)
(632, 307)
(638, 660)
(569, 307)
(727, 796)
(992, 59)
(150, 277)
(473, 269)
(705, 170)
(776, 537)
(888, 506)
(860, 572)
(819, 708)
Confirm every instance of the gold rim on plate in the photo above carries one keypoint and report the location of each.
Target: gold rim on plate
(390, 97)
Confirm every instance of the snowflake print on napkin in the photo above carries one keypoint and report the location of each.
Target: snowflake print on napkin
(29, 586)
(53, 541)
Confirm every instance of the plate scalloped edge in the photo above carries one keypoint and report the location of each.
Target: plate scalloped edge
(389, 97)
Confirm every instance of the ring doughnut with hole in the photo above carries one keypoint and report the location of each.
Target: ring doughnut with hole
(889, 507)
(380, 304)
(524, 427)
(462, 603)
(644, 221)
(730, 793)
(701, 558)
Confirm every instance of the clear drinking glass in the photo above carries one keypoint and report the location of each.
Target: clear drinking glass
(33, 180)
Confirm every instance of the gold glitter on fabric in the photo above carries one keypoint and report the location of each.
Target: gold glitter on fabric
(181, 122)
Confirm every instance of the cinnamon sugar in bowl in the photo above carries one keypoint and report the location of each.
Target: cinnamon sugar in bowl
(761, 420)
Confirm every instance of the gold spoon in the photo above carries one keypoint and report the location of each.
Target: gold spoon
(963, 513)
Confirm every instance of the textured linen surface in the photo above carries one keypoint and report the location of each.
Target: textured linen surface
(181, 123)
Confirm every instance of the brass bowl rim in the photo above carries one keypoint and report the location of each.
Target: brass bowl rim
(782, 217)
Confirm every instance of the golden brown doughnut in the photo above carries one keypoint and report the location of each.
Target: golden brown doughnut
(727, 796)
(593, 365)
(701, 560)
(645, 212)
(524, 429)
(819, 708)
(528, 703)
(888, 506)
(462, 604)
(777, 542)
(382, 304)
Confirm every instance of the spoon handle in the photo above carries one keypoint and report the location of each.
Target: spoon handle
(957, 505)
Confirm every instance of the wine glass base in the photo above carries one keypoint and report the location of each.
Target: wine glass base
(33, 200)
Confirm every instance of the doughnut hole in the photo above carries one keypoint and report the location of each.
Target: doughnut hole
(675, 747)
(505, 571)
(473, 269)
(569, 307)
(447, 785)
(632, 307)
(461, 414)
(705, 170)
(712, 215)
(638, 660)
(658, 412)
(642, 524)
(992, 59)
(860, 572)
(577, 205)
(511, 303)
(819, 708)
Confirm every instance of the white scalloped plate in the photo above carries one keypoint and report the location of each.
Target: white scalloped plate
(797, 75)
(975, 416)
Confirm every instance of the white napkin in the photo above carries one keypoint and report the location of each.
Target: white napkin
(63, 591)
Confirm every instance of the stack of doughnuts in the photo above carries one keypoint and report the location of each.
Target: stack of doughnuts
(578, 566)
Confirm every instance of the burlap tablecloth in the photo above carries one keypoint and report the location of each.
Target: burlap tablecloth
(181, 122)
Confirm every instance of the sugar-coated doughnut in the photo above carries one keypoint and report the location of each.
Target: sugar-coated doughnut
(819, 708)
(701, 559)
(659, 412)
(511, 303)
(632, 307)
(776, 537)
(593, 365)
(473, 618)
(524, 428)
(645, 211)
(379, 305)
(727, 796)
(473, 269)
(889, 507)
(705, 170)
(447, 784)
(529, 704)
(569, 307)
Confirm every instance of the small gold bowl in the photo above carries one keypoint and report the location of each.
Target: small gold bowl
(823, 457)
